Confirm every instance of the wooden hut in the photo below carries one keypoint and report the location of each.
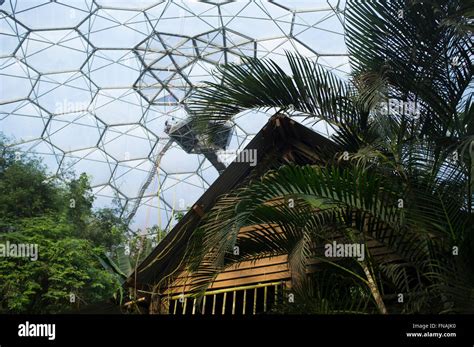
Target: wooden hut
(248, 287)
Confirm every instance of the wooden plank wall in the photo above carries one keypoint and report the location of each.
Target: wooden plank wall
(241, 274)
(270, 269)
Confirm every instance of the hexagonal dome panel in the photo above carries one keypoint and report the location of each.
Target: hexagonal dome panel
(95, 86)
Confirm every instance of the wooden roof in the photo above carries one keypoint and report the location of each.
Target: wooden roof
(282, 140)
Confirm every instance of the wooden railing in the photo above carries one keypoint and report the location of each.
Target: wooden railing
(237, 300)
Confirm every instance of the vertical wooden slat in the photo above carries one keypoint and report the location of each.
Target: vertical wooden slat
(223, 303)
(200, 307)
(233, 301)
(276, 295)
(255, 301)
(184, 305)
(204, 304)
(265, 290)
(214, 305)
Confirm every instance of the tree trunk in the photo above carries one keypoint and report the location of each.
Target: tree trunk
(374, 289)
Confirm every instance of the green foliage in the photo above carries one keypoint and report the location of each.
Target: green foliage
(106, 229)
(178, 216)
(140, 248)
(70, 236)
(25, 191)
(79, 198)
(66, 265)
(332, 293)
(125, 259)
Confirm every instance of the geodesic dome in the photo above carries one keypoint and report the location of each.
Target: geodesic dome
(93, 85)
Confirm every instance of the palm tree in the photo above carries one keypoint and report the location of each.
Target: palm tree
(404, 176)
